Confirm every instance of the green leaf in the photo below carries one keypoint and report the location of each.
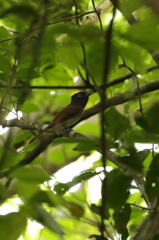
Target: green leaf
(30, 174)
(4, 33)
(127, 7)
(138, 135)
(141, 32)
(25, 10)
(83, 144)
(5, 65)
(23, 74)
(134, 160)
(150, 121)
(48, 197)
(116, 123)
(71, 53)
(121, 218)
(28, 107)
(152, 183)
(156, 237)
(3, 191)
(117, 195)
(97, 237)
(97, 209)
(62, 188)
(56, 74)
(12, 225)
(20, 137)
(96, 58)
(37, 212)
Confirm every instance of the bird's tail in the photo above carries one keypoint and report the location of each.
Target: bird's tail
(39, 134)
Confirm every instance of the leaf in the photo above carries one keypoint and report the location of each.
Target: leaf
(23, 74)
(97, 237)
(37, 212)
(76, 210)
(20, 137)
(71, 52)
(138, 135)
(30, 174)
(56, 74)
(3, 191)
(117, 188)
(83, 144)
(97, 209)
(152, 182)
(5, 65)
(29, 108)
(12, 225)
(121, 218)
(150, 121)
(25, 10)
(127, 7)
(96, 58)
(142, 31)
(4, 33)
(62, 188)
(135, 159)
(156, 237)
(115, 123)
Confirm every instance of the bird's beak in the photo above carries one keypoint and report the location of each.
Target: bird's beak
(88, 93)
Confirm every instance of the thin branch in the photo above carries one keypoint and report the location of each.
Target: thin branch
(52, 23)
(49, 87)
(137, 83)
(108, 84)
(116, 100)
(122, 98)
(98, 15)
(143, 208)
(65, 19)
(107, 56)
(56, 16)
(8, 39)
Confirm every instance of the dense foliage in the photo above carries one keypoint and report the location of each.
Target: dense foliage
(48, 51)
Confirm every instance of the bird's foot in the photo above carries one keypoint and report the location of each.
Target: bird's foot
(66, 129)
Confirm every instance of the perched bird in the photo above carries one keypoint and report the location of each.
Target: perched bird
(68, 115)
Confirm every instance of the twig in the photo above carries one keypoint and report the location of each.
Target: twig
(108, 84)
(143, 208)
(106, 64)
(98, 15)
(137, 83)
(65, 19)
(8, 39)
(51, 23)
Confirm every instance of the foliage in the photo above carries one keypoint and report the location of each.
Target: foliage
(48, 51)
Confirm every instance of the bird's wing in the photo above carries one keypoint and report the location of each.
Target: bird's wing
(68, 115)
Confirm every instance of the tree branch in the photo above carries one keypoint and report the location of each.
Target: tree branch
(116, 100)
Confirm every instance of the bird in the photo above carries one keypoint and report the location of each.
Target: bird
(69, 114)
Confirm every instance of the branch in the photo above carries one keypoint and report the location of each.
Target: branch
(46, 141)
(143, 208)
(52, 23)
(108, 84)
(147, 228)
(116, 100)
(119, 99)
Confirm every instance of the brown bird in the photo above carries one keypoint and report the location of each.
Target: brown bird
(68, 115)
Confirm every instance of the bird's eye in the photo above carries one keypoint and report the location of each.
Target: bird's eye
(79, 95)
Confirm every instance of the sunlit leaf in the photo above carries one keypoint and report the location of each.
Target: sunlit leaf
(117, 195)
(30, 174)
(12, 225)
(116, 123)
